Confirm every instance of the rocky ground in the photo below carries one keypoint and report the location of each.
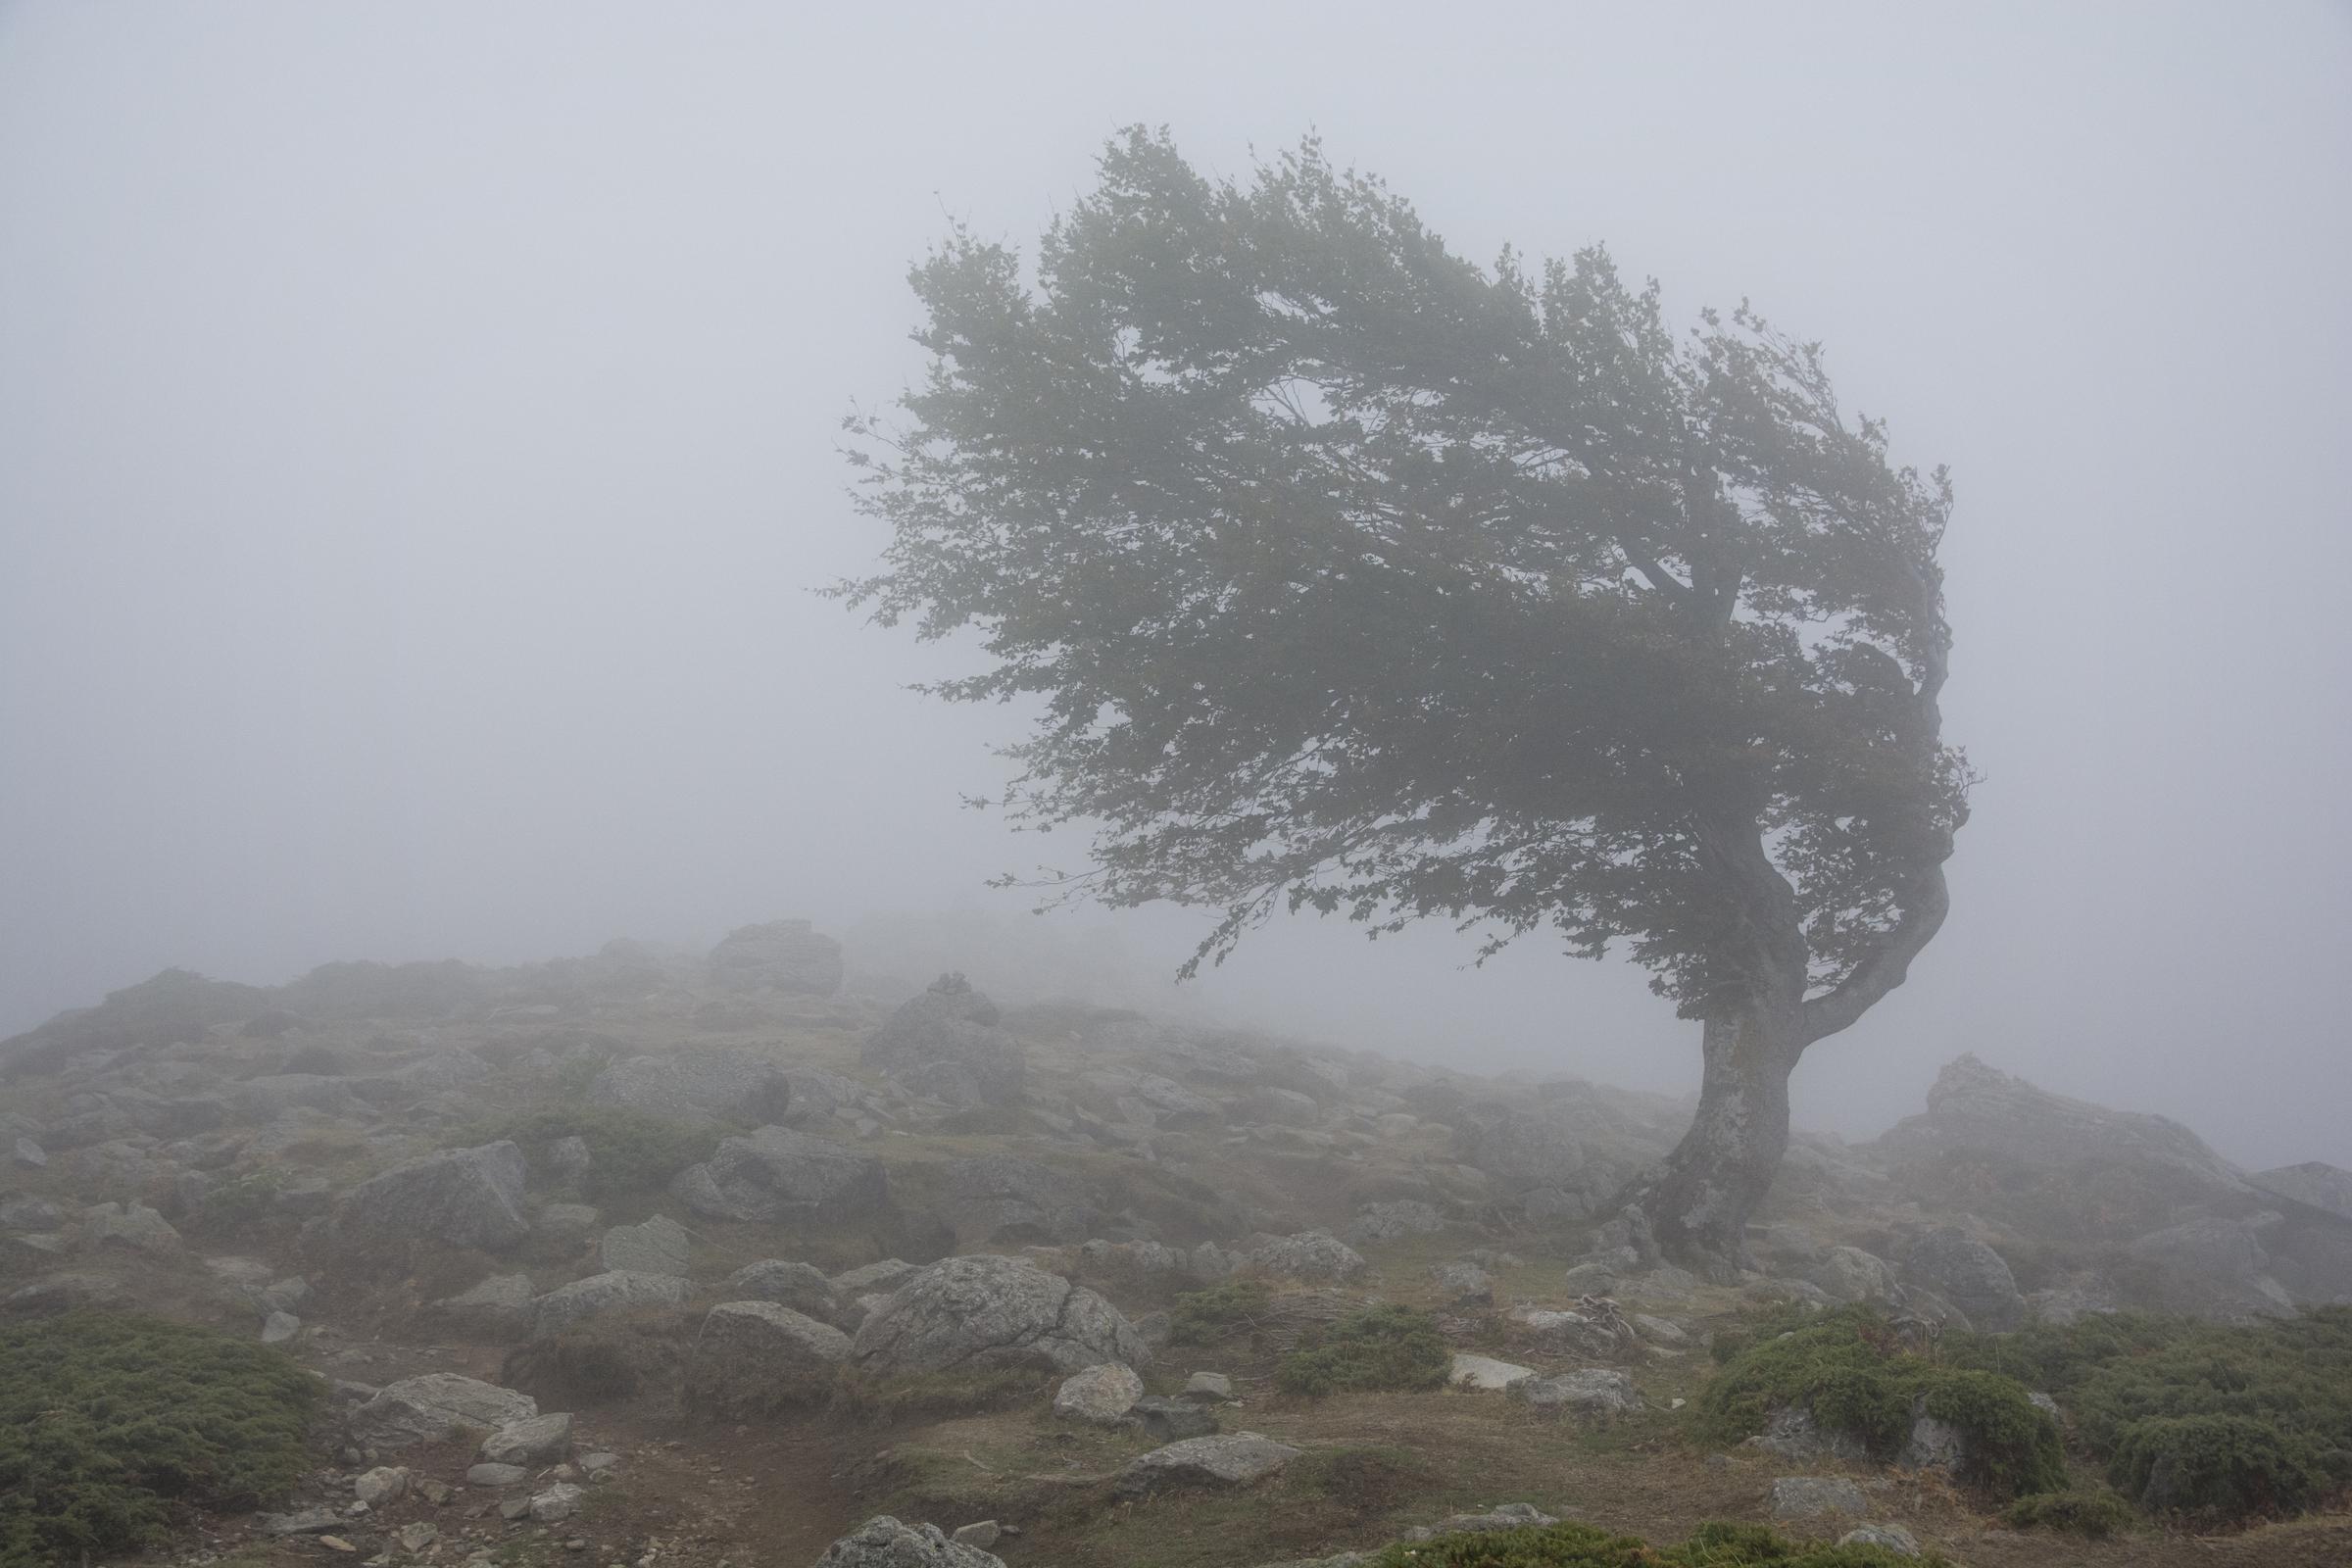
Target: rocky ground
(654, 1257)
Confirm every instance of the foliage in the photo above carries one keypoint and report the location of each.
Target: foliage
(629, 1150)
(238, 1203)
(107, 1424)
(1850, 1371)
(1203, 1317)
(1288, 517)
(1379, 1347)
(2216, 1420)
(1574, 1546)
(2093, 1514)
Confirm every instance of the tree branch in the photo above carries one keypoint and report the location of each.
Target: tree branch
(1924, 909)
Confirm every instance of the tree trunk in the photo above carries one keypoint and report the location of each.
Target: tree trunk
(1696, 1203)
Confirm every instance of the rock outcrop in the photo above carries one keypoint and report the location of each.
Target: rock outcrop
(949, 1032)
(777, 1175)
(461, 1197)
(788, 955)
(995, 1312)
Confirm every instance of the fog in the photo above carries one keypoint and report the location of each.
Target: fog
(417, 439)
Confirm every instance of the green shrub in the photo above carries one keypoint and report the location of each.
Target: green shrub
(1848, 1368)
(1717, 1545)
(1378, 1347)
(629, 1150)
(2217, 1420)
(109, 1424)
(241, 1203)
(2092, 1514)
(1203, 1317)
(2218, 1466)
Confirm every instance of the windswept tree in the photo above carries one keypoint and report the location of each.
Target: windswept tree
(1345, 574)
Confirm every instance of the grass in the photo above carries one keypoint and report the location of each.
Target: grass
(1378, 1347)
(887, 1400)
(1575, 1546)
(112, 1425)
(1218, 1313)
(1848, 1369)
(2091, 1513)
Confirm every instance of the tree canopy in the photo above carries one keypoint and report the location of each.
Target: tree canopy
(1348, 574)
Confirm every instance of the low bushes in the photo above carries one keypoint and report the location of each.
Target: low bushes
(1718, 1545)
(629, 1150)
(1205, 1317)
(1378, 1347)
(2083, 1511)
(1850, 1371)
(2204, 1420)
(109, 1424)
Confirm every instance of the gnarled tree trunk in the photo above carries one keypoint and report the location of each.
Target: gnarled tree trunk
(1695, 1204)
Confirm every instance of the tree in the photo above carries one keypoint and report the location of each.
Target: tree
(1348, 575)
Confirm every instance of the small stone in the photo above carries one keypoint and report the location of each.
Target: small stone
(1893, 1537)
(418, 1536)
(982, 1534)
(557, 1504)
(30, 1156)
(433, 1491)
(512, 1508)
(279, 1327)
(385, 1484)
(534, 1439)
(1484, 1372)
(1809, 1496)
(495, 1475)
(1170, 1420)
(336, 1544)
(597, 1464)
(1209, 1386)
(1102, 1395)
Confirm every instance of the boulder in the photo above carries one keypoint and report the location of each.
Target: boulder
(1485, 1373)
(659, 1245)
(798, 1286)
(32, 1155)
(788, 955)
(2212, 1268)
(431, 1408)
(496, 1475)
(757, 1356)
(462, 1196)
(534, 1439)
(1886, 1538)
(383, 1484)
(994, 1311)
(557, 1504)
(697, 1084)
(1790, 1432)
(1967, 1274)
(136, 1226)
(867, 1279)
(1394, 1220)
(1308, 1256)
(776, 1175)
(996, 1198)
(603, 1295)
(498, 1309)
(1230, 1459)
(1975, 1110)
(1464, 1284)
(2315, 1183)
(1101, 1394)
(884, 1543)
(1811, 1497)
(949, 1024)
(1849, 1274)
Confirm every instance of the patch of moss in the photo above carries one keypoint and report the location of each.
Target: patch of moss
(1850, 1371)
(1571, 1545)
(629, 1150)
(1205, 1317)
(2089, 1513)
(109, 1424)
(1389, 1346)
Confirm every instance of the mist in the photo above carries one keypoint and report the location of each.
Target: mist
(418, 456)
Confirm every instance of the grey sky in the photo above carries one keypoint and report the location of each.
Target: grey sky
(417, 436)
